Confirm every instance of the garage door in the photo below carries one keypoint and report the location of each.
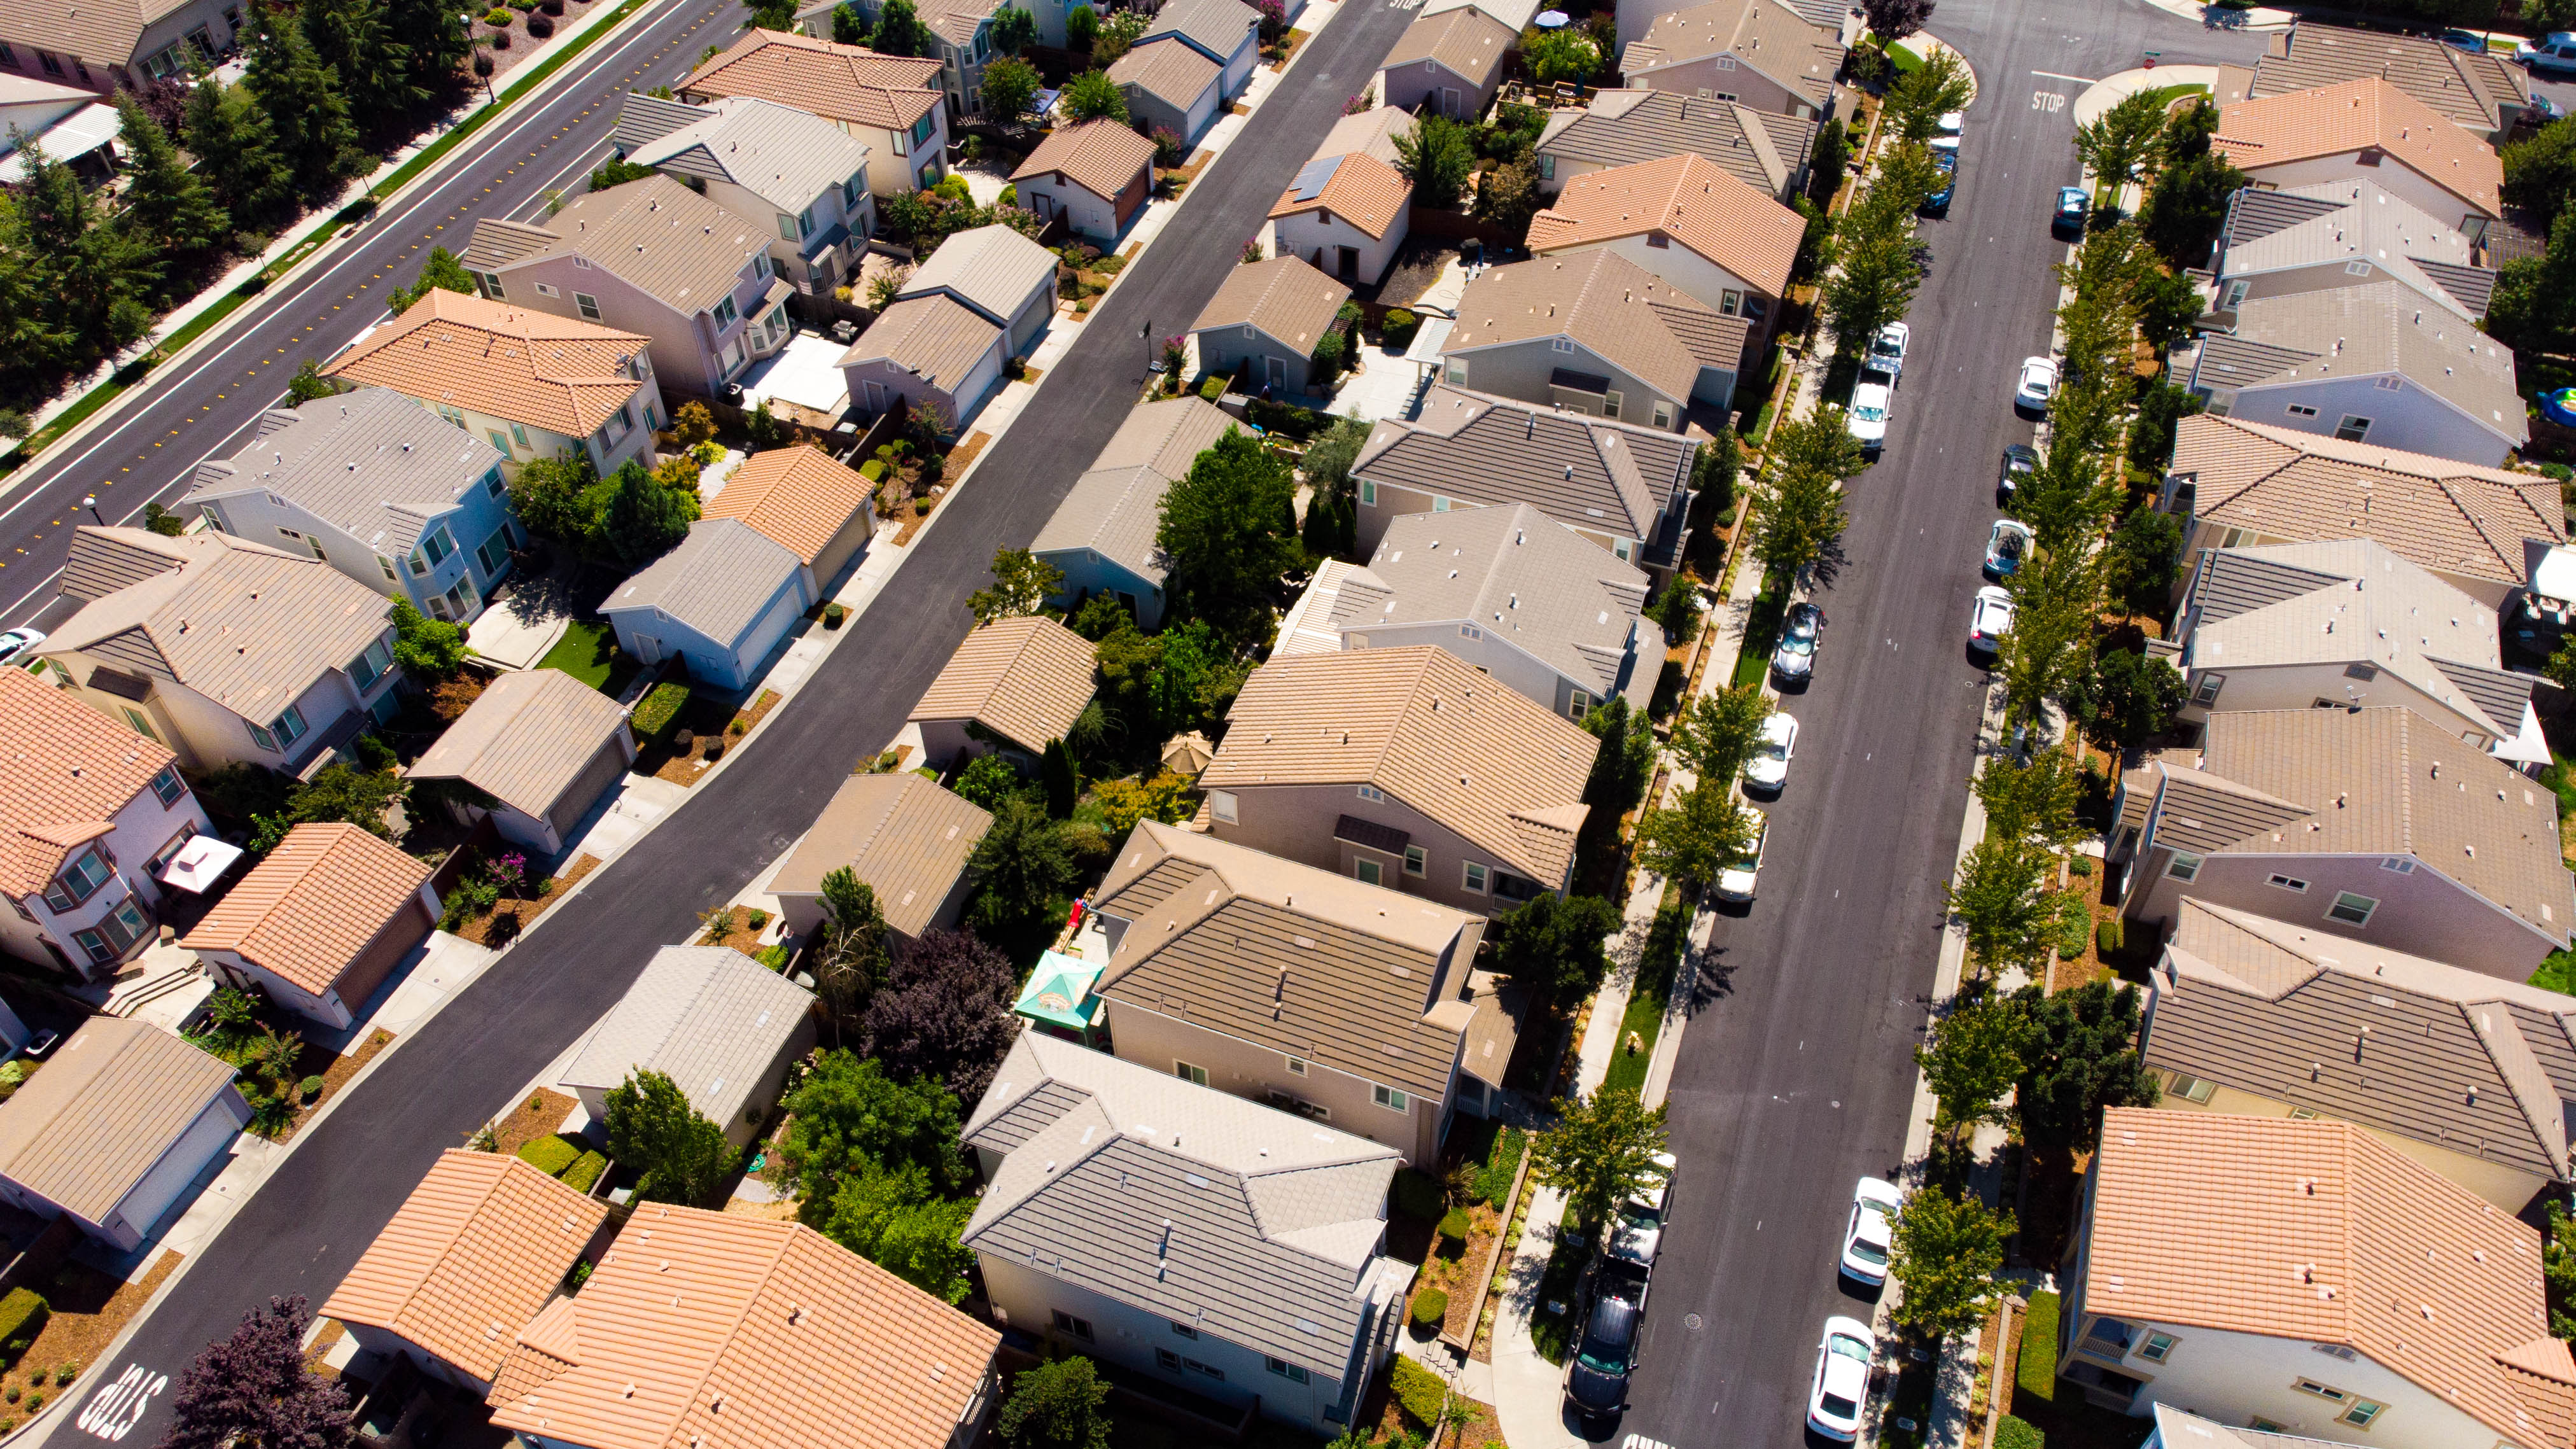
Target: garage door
(596, 776)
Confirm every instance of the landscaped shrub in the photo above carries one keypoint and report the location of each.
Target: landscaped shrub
(2080, 866)
(500, 40)
(1453, 1224)
(833, 614)
(2012, 1433)
(1398, 329)
(1417, 1388)
(550, 1154)
(309, 1088)
(497, 16)
(540, 27)
(585, 1171)
(1430, 1306)
(1417, 1194)
(22, 1317)
(873, 470)
(1502, 1164)
(1293, 422)
(2110, 936)
(660, 706)
(1212, 386)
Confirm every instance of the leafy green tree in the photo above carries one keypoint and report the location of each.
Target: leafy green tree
(1878, 266)
(851, 956)
(305, 106)
(1565, 54)
(1226, 536)
(1024, 866)
(356, 40)
(2033, 800)
(2558, 1269)
(1092, 96)
(1195, 678)
(2081, 1060)
(684, 1158)
(426, 648)
(987, 781)
(1508, 198)
(1437, 158)
(1691, 842)
(643, 519)
(617, 171)
(2002, 901)
(1600, 1150)
(891, 1217)
(1893, 20)
(236, 151)
(1010, 83)
(96, 274)
(2540, 172)
(1021, 584)
(2117, 145)
(849, 27)
(2188, 204)
(2161, 408)
(1715, 732)
(1014, 30)
(547, 496)
(1060, 1404)
(1921, 96)
(2127, 698)
(442, 272)
(1625, 763)
(1118, 35)
(1800, 513)
(900, 31)
(1555, 947)
(1944, 1257)
(2056, 597)
(339, 795)
(1676, 606)
(1062, 782)
(771, 15)
(849, 1114)
(2187, 132)
(1974, 1058)
(2145, 557)
(435, 30)
(1827, 161)
(165, 202)
(2533, 308)
(1081, 28)
(2167, 303)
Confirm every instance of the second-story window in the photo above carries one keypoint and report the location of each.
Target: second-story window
(289, 727)
(433, 551)
(370, 666)
(167, 786)
(804, 223)
(588, 304)
(79, 879)
(852, 189)
(787, 230)
(492, 483)
(725, 313)
(921, 129)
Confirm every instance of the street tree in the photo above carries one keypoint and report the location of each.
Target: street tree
(166, 204)
(95, 276)
(684, 1158)
(1625, 764)
(2143, 559)
(1691, 842)
(1944, 1257)
(1556, 946)
(1021, 583)
(2002, 902)
(2082, 1059)
(2056, 598)
(1921, 96)
(1436, 157)
(2127, 697)
(2033, 800)
(2117, 145)
(2188, 203)
(1227, 534)
(1799, 512)
(1060, 1404)
(441, 273)
(236, 151)
(1600, 1150)
(1715, 732)
(944, 1012)
(1877, 267)
(357, 41)
(1974, 1058)
(253, 1390)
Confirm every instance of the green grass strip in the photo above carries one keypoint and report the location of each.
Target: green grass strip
(2035, 1373)
(1651, 995)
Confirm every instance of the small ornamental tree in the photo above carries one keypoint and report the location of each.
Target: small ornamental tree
(426, 648)
(1010, 83)
(1716, 732)
(1893, 20)
(944, 1013)
(1974, 1058)
(1555, 946)
(252, 1390)
(1021, 583)
(441, 273)
(850, 1112)
(850, 958)
(1601, 1149)
(1944, 1257)
(1061, 1404)
(1092, 95)
(1691, 842)
(684, 1158)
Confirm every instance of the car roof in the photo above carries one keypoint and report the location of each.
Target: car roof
(1995, 594)
(1846, 1377)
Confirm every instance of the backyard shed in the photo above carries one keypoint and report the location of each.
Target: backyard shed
(543, 745)
(1096, 175)
(903, 836)
(1269, 316)
(722, 601)
(1012, 686)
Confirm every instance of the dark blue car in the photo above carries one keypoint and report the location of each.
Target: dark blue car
(1938, 203)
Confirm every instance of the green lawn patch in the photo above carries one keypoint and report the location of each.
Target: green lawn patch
(1551, 1328)
(1652, 994)
(1903, 58)
(2167, 95)
(2035, 1376)
(1761, 631)
(585, 652)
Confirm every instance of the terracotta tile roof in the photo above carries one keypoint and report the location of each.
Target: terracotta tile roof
(558, 373)
(713, 1329)
(1027, 679)
(1698, 203)
(1467, 43)
(2472, 90)
(1426, 728)
(2447, 516)
(654, 234)
(1799, 55)
(798, 496)
(472, 1254)
(307, 910)
(95, 30)
(524, 740)
(113, 1101)
(1616, 309)
(2313, 1230)
(1363, 190)
(908, 839)
(64, 775)
(1099, 155)
(2359, 115)
(1170, 70)
(1284, 297)
(841, 82)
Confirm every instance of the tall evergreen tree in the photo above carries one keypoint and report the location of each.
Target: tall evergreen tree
(305, 107)
(435, 31)
(96, 274)
(34, 340)
(165, 201)
(236, 150)
(355, 38)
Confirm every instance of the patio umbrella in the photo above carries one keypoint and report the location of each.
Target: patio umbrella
(200, 863)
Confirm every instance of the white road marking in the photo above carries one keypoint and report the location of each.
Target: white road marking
(2081, 80)
(113, 1411)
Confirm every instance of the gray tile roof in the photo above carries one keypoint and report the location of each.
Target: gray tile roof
(715, 582)
(782, 155)
(655, 234)
(1514, 573)
(2356, 223)
(993, 269)
(372, 462)
(708, 1017)
(1215, 27)
(2471, 90)
(1263, 1228)
(2375, 328)
(901, 834)
(2397, 1043)
(1586, 471)
(1623, 127)
(1115, 508)
(104, 560)
(525, 740)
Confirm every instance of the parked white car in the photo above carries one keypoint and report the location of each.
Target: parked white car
(1841, 1389)
(2554, 53)
(1768, 770)
(1638, 1234)
(1867, 420)
(2037, 385)
(19, 643)
(1871, 1229)
(1735, 879)
(1990, 618)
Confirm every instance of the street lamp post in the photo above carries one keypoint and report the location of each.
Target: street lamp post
(90, 502)
(467, 21)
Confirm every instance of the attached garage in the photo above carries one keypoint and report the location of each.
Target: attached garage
(115, 1127)
(543, 745)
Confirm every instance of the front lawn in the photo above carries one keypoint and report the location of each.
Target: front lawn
(588, 652)
(1761, 631)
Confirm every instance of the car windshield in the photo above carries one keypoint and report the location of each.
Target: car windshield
(1868, 1252)
(1848, 1347)
(1775, 750)
(1605, 1344)
(1838, 1406)
(1869, 413)
(1883, 346)
(1798, 644)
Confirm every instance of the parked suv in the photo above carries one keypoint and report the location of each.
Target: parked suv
(1613, 1312)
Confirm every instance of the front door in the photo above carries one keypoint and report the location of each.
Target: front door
(1278, 372)
(1350, 263)
(648, 650)
(1449, 102)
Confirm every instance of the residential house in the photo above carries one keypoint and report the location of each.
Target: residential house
(1012, 686)
(484, 1239)
(1186, 1236)
(2333, 234)
(1349, 208)
(1518, 14)
(320, 923)
(2176, 1429)
(753, 156)
(2304, 1278)
(65, 125)
(2453, 1070)
(1594, 333)
(2238, 484)
(2481, 91)
(1101, 537)
(1407, 756)
(1262, 325)
(96, 810)
(722, 1026)
(119, 46)
(722, 603)
(651, 257)
(1170, 86)
(787, 1326)
(1623, 486)
(890, 103)
(1763, 149)
(2372, 824)
(2368, 363)
(379, 488)
(121, 1120)
(962, 32)
(543, 746)
(1227, 32)
(552, 386)
(1329, 996)
(1758, 52)
(1096, 174)
(1689, 221)
(2345, 625)
(1450, 63)
(2331, 133)
(1506, 589)
(817, 509)
(978, 301)
(903, 837)
(223, 650)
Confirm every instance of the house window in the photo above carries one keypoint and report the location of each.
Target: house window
(1658, 240)
(387, 565)
(2204, 691)
(1470, 631)
(167, 786)
(435, 548)
(2190, 1088)
(1196, 1076)
(1369, 872)
(588, 304)
(500, 440)
(2184, 866)
(2156, 1348)
(1415, 860)
(2352, 429)
(1296, 1066)
(1166, 1360)
(787, 227)
(1368, 490)
(725, 313)
(1456, 372)
(1067, 1323)
(2398, 865)
(1373, 793)
(78, 881)
(1196, 1367)
(1474, 877)
(1221, 805)
(851, 188)
(46, 59)
(2300, 410)
(546, 289)
(2390, 384)
(2311, 1386)
(492, 286)
(1560, 344)
(1390, 1098)
(2362, 1412)
(494, 551)
(161, 858)
(1623, 549)
(492, 483)
(1185, 1331)
(2352, 908)
(2287, 882)
(142, 725)
(1729, 303)
(116, 931)
(761, 267)
(1663, 414)
(1610, 404)
(370, 666)
(1285, 1369)
(1577, 705)
(261, 737)
(2236, 291)
(1547, 168)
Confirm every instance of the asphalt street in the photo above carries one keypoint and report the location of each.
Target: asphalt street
(1795, 1076)
(300, 1232)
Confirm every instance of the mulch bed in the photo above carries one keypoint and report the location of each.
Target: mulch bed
(708, 721)
(335, 1072)
(964, 455)
(89, 1309)
(522, 44)
(526, 1124)
(479, 928)
(734, 928)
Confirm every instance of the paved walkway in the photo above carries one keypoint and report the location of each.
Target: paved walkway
(2260, 18)
(2110, 90)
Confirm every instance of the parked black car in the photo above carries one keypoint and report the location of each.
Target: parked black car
(1614, 1309)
